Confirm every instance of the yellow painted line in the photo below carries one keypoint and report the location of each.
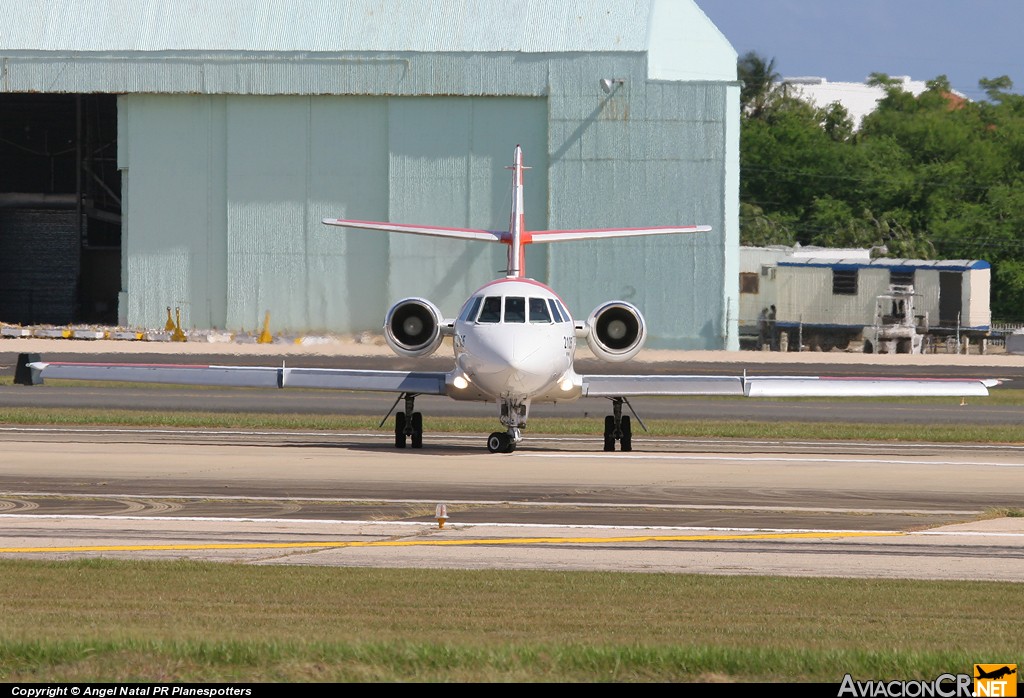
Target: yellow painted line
(476, 541)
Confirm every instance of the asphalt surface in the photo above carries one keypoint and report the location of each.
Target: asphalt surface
(674, 506)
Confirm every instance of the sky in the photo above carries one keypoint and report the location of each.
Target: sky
(847, 40)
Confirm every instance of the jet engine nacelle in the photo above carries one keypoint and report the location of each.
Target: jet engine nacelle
(413, 327)
(616, 331)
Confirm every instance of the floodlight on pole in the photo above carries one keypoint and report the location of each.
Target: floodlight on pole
(609, 84)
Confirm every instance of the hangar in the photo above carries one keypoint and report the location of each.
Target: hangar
(160, 154)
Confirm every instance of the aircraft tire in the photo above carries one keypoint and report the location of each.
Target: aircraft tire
(497, 442)
(400, 430)
(417, 430)
(626, 442)
(609, 433)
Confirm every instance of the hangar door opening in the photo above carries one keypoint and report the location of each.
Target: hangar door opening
(60, 209)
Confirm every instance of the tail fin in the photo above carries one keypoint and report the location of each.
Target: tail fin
(516, 237)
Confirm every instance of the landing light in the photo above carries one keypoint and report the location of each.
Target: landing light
(460, 382)
(566, 385)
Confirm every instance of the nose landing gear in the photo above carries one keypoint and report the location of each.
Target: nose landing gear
(503, 441)
(513, 416)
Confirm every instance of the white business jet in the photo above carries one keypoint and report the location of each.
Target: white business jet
(514, 342)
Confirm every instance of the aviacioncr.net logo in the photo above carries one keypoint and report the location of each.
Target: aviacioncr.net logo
(995, 680)
(944, 686)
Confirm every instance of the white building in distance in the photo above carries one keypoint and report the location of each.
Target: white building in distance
(858, 98)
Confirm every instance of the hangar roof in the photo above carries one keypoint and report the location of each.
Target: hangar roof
(681, 41)
(889, 262)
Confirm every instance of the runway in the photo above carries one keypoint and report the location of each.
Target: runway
(672, 505)
(675, 506)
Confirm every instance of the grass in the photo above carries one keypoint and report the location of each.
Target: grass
(104, 620)
(831, 431)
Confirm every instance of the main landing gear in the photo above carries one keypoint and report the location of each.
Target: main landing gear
(408, 424)
(617, 427)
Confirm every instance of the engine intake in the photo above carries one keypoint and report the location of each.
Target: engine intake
(616, 331)
(412, 327)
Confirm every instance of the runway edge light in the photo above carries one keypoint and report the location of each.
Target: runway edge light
(441, 513)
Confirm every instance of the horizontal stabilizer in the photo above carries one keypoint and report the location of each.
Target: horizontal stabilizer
(517, 236)
(597, 233)
(433, 231)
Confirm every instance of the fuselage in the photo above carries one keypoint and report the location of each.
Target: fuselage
(514, 338)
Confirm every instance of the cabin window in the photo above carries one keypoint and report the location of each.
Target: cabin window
(554, 310)
(749, 282)
(844, 282)
(471, 309)
(515, 309)
(491, 311)
(539, 310)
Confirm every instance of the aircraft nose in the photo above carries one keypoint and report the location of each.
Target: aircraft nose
(519, 356)
(521, 366)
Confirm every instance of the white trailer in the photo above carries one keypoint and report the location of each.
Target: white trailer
(825, 302)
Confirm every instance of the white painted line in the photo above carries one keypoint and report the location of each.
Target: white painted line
(765, 459)
(431, 524)
(501, 502)
(456, 526)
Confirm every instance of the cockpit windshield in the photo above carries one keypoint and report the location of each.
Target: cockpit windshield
(555, 312)
(491, 311)
(472, 308)
(539, 310)
(513, 309)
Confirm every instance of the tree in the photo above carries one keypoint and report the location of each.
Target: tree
(759, 83)
(927, 176)
(760, 230)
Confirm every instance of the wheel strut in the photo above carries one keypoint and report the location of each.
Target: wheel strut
(513, 417)
(617, 426)
(408, 422)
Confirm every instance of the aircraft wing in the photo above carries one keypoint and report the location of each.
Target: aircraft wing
(420, 382)
(783, 386)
